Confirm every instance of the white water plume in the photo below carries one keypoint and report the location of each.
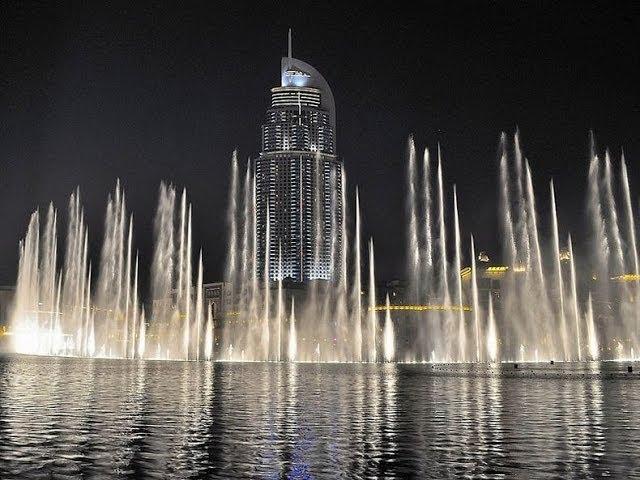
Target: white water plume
(536, 296)
(462, 334)
(492, 333)
(357, 289)
(373, 317)
(558, 274)
(208, 336)
(574, 300)
(292, 349)
(476, 301)
(387, 333)
(592, 339)
(413, 254)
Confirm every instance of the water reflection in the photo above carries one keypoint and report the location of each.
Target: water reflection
(75, 418)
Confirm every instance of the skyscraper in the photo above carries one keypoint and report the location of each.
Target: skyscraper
(299, 179)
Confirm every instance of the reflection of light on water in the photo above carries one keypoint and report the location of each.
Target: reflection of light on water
(495, 410)
(305, 420)
(595, 414)
(390, 374)
(480, 419)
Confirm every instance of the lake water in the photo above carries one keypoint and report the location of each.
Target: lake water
(79, 418)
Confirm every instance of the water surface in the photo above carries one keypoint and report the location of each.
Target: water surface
(92, 418)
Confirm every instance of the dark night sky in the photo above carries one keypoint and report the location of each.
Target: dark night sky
(149, 93)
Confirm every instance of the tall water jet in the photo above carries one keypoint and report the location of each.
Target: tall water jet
(599, 240)
(373, 320)
(613, 256)
(187, 294)
(266, 336)
(574, 299)
(510, 250)
(476, 301)
(208, 337)
(342, 314)
(113, 278)
(280, 306)
(231, 266)
(91, 336)
(613, 217)
(173, 296)
(533, 227)
(387, 334)
(521, 230)
(357, 290)
(199, 306)
(631, 225)
(59, 343)
(536, 283)
(631, 240)
(255, 288)
(627, 311)
(444, 278)
(592, 338)
(232, 223)
(558, 273)
(88, 336)
(162, 267)
(492, 333)
(532, 320)
(423, 264)
(182, 280)
(136, 313)
(516, 330)
(462, 334)
(56, 312)
(444, 294)
(47, 270)
(428, 235)
(293, 340)
(142, 336)
(75, 270)
(246, 292)
(413, 258)
(35, 317)
(128, 287)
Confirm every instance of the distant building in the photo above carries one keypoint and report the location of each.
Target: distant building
(299, 178)
(6, 303)
(216, 297)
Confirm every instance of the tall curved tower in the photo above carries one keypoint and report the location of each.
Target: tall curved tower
(299, 178)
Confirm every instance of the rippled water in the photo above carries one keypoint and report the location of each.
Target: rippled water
(76, 418)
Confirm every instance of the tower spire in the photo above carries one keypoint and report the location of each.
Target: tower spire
(289, 44)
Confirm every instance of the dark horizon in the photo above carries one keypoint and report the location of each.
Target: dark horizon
(146, 95)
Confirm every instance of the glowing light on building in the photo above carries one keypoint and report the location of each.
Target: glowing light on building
(627, 277)
(423, 308)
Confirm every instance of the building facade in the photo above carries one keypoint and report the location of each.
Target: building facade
(7, 294)
(299, 179)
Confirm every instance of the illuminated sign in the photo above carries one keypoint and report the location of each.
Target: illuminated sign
(296, 73)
